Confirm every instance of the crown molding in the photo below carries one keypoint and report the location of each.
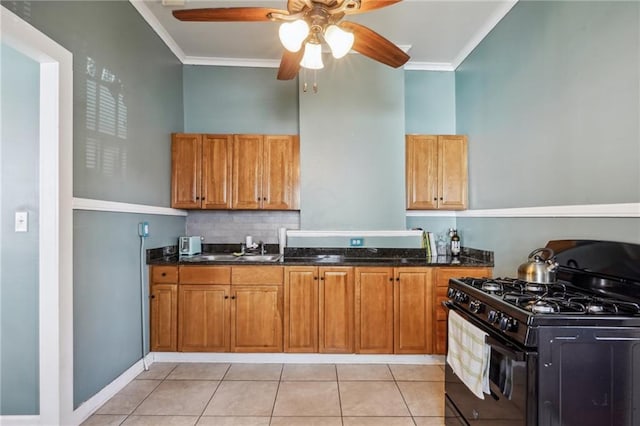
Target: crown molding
(429, 66)
(489, 25)
(148, 16)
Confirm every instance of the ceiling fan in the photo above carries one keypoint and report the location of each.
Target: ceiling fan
(306, 24)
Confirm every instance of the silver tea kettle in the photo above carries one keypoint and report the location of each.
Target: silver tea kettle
(539, 270)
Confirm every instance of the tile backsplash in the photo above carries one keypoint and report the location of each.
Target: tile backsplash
(229, 227)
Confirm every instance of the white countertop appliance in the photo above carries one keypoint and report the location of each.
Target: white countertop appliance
(188, 246)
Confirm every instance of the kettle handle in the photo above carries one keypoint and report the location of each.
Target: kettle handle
(550, 253)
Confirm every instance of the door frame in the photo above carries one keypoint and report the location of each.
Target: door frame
(56, 218)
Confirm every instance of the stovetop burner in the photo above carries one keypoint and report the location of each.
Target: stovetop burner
(552, 298)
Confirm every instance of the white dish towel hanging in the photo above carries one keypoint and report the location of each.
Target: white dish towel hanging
(468, 354)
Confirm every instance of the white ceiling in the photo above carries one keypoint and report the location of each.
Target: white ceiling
(437, 34)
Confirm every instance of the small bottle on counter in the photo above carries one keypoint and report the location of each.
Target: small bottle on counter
(455, 243)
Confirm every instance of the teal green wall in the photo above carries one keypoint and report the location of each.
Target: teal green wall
(19, 191)
(239, 100)
(430, 102)
(550, 101)
(127, 88)
(352, 147)
(107, 322)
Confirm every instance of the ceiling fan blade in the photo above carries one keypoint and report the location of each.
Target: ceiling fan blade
(290, 64)
(227, 14)
(371, 44)
(368, 5)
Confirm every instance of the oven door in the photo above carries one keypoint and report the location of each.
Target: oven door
(511, 381)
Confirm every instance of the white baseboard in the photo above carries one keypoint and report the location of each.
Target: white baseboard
(289, 358)
(117, 207)
(87, 408)
(19, 420)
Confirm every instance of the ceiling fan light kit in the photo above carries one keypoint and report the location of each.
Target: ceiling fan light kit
(293, 34)
(307, 23)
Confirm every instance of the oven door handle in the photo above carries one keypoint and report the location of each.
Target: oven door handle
(498, 345)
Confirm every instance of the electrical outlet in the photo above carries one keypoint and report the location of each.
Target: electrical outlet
(143, 229)
(22, 222)
(356, 242)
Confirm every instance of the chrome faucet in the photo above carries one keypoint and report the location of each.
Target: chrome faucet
(261, 244)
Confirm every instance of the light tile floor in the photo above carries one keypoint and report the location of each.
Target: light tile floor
(279, 395)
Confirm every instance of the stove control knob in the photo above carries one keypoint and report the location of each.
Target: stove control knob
(508, 324)
(475, 306)
(493, 317)
(461, 297)
(451, 293)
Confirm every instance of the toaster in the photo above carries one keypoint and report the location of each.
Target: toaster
(188, 246)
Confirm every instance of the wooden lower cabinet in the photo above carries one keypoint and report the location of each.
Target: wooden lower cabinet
(163, 294)
(301, 309)
(374, 310)
(164, 308)
(256, 318)
(319, 305)
(413, 323)
(335, 310)
(442, 276)
(204, 318)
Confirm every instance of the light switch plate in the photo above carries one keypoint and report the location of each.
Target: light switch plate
(356, 242)
(22, 222)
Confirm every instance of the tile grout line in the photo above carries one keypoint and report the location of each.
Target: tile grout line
(147, 397)
(277, 391)
(335, 366)
(213, 394)
(395, 381)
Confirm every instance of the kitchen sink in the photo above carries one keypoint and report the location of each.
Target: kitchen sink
(209, 258)
(259, 258)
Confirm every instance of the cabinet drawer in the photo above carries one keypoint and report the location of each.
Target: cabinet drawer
(164, 274)
(257, 275)
(205, 275)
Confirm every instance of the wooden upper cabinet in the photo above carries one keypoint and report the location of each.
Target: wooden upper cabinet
(281, 173)
(247, 172)
(216, 171)
(244, 172)
(436, 172)
(185, 170)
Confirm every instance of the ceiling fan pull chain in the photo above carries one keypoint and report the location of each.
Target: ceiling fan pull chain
(304, 78)
(315, 81)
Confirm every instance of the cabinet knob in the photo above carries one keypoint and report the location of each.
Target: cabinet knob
(226, 297)
(315, 278)
(233, 297)
(202, 198)
(197, 198)
(264, 199)
(397, 278)
(435, 198)
(441, 198)
(391, 279)
(164, 274)
(153, 296)
(321, 278)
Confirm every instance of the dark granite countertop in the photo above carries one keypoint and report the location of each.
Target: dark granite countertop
(327, 257)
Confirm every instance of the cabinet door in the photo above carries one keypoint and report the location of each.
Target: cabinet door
(374, 310)
(216, 171)
(185, 170)
(335, 331)
(247, 172)
(452, 178)
(204, 318)
(442, 276)
(301, 309)
(164, 311)
(281, 173)
(256, 319)
(413, 315)
(422, 172)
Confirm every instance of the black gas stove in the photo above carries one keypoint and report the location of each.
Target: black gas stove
(563, 353)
